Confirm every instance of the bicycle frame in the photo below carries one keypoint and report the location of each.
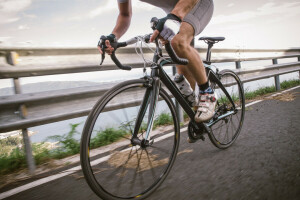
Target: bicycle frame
(158, 76)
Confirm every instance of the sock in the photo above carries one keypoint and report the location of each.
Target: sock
(208, 91)
(204, 86)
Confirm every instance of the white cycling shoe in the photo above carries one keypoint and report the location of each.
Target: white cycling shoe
(206, 107)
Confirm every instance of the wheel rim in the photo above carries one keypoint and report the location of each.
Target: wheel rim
(131, 171)
(225, 131)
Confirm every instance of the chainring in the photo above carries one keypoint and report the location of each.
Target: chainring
(195, 132)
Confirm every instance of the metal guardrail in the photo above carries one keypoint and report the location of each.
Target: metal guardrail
(21, 111)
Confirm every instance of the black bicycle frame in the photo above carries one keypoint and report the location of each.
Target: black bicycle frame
(158, 75)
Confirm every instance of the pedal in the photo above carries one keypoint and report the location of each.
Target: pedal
(194, 133)
(202, 137)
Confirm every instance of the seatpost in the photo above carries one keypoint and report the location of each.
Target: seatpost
(208, 54)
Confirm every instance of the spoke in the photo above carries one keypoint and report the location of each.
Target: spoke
(151, 166)
(217, 133)
(141, 180)
(220, 128)
(136, 169)
(125, 137)
(123, 171)
(236, 115)
(234, 126)
(226, 134)
(121, 166)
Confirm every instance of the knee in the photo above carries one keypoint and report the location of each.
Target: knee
(180, 44)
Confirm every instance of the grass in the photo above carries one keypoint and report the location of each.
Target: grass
(12, 156)
(12, 161)
(107, 136)
(266, 90)
(259, 92)
(16, 160)
(163, 119)
(67, 145)
(288, 84)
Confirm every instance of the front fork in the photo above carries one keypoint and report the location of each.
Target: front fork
(150, 97)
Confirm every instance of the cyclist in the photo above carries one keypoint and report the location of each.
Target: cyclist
(190, 17)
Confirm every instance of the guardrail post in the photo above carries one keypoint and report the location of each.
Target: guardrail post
(26, 139)
(177, 105)
(238, 64)
(277, 80)
(299, 61)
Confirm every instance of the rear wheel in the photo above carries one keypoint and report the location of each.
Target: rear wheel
(226, 130)
(121, 170)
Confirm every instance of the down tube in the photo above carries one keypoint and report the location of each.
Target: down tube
(176, 93)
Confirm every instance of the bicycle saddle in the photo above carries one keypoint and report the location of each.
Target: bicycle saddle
(212, 39)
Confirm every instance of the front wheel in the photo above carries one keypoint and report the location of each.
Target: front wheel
(122, 170)
(228, 121)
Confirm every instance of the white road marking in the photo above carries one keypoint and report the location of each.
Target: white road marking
(273, 95)
(95, 162)
(252, 103)
(68, 172)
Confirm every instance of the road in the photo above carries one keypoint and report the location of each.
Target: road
(264, 163)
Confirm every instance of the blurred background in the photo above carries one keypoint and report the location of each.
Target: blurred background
(32, 24)
(73, 23)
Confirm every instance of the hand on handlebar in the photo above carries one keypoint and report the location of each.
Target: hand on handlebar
(109, 49)
(162, 40)
(166, 27)
(105, 44)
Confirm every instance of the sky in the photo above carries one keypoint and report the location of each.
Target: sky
(79, 23)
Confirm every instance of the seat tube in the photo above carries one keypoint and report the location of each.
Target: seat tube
(153, 103)
(208, 54)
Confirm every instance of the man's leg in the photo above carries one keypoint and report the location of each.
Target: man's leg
(194, 72)
(183, 69)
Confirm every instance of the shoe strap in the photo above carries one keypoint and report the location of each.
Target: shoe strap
(203, 109)
(207, 97)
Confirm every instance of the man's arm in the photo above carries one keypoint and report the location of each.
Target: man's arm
(124, 19)
(123, 22)
(181, 9)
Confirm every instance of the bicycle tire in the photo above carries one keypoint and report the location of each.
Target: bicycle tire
(233, 124)
(108, 189)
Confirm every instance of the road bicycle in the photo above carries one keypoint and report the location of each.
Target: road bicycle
(143, 114)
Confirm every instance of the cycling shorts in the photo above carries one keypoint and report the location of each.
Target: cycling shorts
(198, 17)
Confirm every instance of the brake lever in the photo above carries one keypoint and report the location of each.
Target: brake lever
(102, 45)
(103, 54)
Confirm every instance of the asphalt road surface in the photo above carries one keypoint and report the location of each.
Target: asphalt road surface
(264, 163)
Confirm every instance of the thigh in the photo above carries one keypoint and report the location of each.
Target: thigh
(200, 15)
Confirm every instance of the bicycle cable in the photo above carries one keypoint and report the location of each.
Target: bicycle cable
(139, 46)
(141, 53)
